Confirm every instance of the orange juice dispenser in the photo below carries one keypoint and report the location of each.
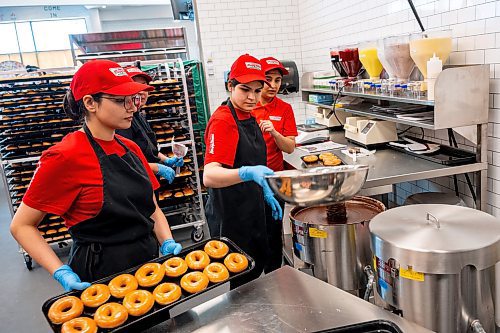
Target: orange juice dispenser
(369, 58)
(397, 55)
(349, 59)
(424, 45)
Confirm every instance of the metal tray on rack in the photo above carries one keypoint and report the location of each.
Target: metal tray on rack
(158, 313)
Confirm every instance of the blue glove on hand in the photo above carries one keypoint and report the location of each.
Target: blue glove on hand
(166, 172)
(174, 162)
(255, 173)
(169, 246)
(69, 279)
(271, 201)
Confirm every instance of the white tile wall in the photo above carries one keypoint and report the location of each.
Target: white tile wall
(229, 28)
(305, 30)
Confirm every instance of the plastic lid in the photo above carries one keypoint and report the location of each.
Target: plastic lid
(440, 239)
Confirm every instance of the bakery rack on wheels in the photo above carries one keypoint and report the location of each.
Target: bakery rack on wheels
(169, 113)
(32, 120)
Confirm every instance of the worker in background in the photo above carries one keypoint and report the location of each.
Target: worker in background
(99, 183)
(235, 168)
(277, 123)
(141, 133)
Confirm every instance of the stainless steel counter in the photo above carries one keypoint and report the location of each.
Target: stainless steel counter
(285, 300)
(388, 166)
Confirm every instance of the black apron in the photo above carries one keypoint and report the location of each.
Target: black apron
(121, 235)
(237, 212)
(141, 133)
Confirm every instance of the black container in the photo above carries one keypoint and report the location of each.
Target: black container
(159, 313)
(446, 155)
(376, 326)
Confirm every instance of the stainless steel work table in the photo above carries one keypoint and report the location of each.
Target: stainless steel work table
(285, 300)
(389, 167)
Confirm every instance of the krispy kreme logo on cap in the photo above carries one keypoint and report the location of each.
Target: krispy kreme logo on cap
(272, 62)
(118, 71)
(134, 70)
(253, 65)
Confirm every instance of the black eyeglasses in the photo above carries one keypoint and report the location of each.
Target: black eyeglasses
(128, 102)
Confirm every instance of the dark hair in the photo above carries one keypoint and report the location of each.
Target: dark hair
(76, 109)
(235, 82)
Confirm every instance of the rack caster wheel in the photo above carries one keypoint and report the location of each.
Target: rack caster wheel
(197, 234)
(28, 261)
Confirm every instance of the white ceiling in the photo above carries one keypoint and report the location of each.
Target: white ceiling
(17, 3)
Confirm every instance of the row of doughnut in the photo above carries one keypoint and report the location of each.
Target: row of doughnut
(136, 302)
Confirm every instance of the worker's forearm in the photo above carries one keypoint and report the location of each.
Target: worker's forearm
(154, 167)
(216, 176)
(284, 143)
(161, 227)
(33, 243)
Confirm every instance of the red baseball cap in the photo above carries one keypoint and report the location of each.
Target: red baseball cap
(247, 69)
(133, 71)
(104, 76)
(270, 63)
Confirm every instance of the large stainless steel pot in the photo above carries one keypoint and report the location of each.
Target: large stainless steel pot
(436, 265)
(338, 253)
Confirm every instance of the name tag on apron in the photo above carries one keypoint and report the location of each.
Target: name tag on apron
(275, 118)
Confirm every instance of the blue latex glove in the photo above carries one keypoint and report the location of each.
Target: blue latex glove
(255, 173)
(174, 162)
(69, 279)
(166, 172)
(271, 201)
(169, 246)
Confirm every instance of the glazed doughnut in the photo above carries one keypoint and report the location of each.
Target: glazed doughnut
(166, 293)
(216, 249)
(175, 267)
(310, 158)
(122, 285)
(79, 325)
(138, 302)
(236, 262)
(110, 315)
(95, 295)
(150, 274)
(197, 260)
(216, 272)
(65, 309)
(194, 282)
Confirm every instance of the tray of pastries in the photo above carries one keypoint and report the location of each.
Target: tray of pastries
(323, 159)
(141, 297)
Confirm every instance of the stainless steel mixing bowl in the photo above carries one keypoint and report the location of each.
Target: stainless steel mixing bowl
(318, 186)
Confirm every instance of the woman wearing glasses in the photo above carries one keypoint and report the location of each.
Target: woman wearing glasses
(141, 133)
(99, 183)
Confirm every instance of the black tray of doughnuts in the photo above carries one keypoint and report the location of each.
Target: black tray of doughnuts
(159, 313)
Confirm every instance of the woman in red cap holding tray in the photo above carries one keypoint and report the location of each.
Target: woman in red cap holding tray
(277, 122)
(99, 183)
(235, 168)
(141, 133)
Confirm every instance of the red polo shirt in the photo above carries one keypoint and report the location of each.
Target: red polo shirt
(281, 115)
(221, 136)
(68, 179)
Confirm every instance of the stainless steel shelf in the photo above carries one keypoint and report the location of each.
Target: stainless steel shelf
(389, 166)
(364, 110)
(383, 97)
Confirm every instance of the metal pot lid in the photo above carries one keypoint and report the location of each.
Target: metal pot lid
(439, 239)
